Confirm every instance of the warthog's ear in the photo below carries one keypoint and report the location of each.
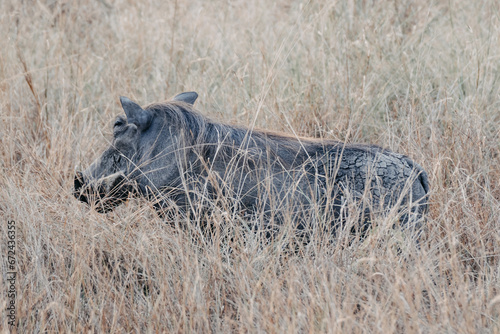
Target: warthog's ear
(188, 97)
(135, 114)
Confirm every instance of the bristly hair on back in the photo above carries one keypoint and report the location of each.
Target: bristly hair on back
(208, 137)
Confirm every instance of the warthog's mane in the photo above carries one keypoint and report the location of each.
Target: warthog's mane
(209, 138)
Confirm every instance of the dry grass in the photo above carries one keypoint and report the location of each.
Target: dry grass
(418, 77)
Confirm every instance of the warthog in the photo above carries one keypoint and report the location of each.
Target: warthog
(174, 156)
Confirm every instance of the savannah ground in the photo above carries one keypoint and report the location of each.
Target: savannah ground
(418, 77)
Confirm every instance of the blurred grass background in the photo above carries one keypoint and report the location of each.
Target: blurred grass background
(417, 77)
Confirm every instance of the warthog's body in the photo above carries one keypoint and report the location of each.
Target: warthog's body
(173, 155)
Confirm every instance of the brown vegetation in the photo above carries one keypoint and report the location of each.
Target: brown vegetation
(417, 78)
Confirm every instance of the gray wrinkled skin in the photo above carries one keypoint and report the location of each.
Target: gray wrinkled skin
(174, 156)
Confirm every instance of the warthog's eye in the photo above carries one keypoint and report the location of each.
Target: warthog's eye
(119, 122)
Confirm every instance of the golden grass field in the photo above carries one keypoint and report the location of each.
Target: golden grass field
(418, 77)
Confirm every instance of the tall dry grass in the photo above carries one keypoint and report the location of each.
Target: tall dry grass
(418, 77)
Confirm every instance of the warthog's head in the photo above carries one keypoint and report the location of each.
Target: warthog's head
(113, 176)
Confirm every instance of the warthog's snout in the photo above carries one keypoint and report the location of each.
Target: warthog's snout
(105, 193)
